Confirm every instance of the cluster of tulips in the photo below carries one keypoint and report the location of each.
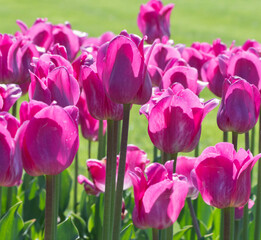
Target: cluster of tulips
(72, 79)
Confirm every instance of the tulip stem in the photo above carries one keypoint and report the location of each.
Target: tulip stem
(164, 157)
(121, 172)
(258, 194)
(245, 216)
(51, 206)
(9, 198)
(89, 148)
(155, 234)
(222, 224)
(252, 147)
(0, 202)
(194, 218)
(108, 184)
(155, 154)
(75, 183)
(232, 223)
(174, 156)
(234, 139)
(101, 148)
(225, 136)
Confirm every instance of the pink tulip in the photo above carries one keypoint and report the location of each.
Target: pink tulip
(135, 158)
(9, 93)
(10, 167)
(174, 119)
(89, 125)
(121, 66)
(158, 197)
(154, 20)
(184, 167)
(99, 105)
(223, 176)
(239, 211)
(47, 143)
(59, 86)
(245, 65)
(239, 108)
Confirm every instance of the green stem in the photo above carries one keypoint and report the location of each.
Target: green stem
(194, 218)
(232, 223)
(164, 157)
(108, 185)
(114, 165)
(51, 206)
(119, 137)
(174, 156)
(155, 234)
(234, 139)
(196, 152)
(121, 172)
(252, 147)
(155, 154)
(225, 136)
(226, 224)
(9, 199)
(14, 109)
(75, 183)
(89, 149)
(237, 229)
(221, 224)
(247, 140)
(0, 202)
(258, 194)
(101, 143)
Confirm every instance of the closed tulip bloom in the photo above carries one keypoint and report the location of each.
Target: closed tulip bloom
(158, 197)
(154, 20)
(9, 93)
(48, 142)
(223, 176)
(240, 104)
(121, 66)
(59, 86)
(10, 167)
(246, 65)
(184, 167)
(135, 158)
(100, 106)
(174, 121)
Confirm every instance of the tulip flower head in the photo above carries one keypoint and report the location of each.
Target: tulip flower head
(223, 176)
(158, 197)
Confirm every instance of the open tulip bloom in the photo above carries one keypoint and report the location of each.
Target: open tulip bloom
(223, 176)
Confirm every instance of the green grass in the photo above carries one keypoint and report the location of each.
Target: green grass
(191, 20)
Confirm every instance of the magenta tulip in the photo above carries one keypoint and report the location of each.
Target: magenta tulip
(184, 167)
(158, 197)
(135, 158)
(59, 86)
(223, 176)
(174, 119)
(239, 211)
(99, 105)
(47, 143)
(10, 167)
(9, 93)
(154, 20)
(121, 66)
(240, 104)
(89, 125)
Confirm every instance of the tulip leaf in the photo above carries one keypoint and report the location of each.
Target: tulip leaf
(65, 189)
(80, 225)
(67, 230)
(181, 232)
(11, 224)
(127, 232)
(28, 225)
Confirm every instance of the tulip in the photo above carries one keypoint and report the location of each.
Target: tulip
(99, 105)
(8, 96)
(158, 198)
(11, 167)
(239, 109)
(89, 125)
(239, 211)
(174, 119)
(223, 176)
(154, 20)
(41, 156)
(97, 168)
(247, 66)
(184, 167)
(59, 86)
(121, 66)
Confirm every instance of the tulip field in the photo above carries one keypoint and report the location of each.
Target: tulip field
(130, 120)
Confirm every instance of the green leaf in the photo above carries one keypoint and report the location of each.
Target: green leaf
(67, 230)
(181, 232)
(127, 232)
(80, 224)
(65, 189)
(28, 225)
(11, 224)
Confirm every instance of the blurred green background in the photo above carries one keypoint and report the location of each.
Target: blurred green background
(191, 20)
